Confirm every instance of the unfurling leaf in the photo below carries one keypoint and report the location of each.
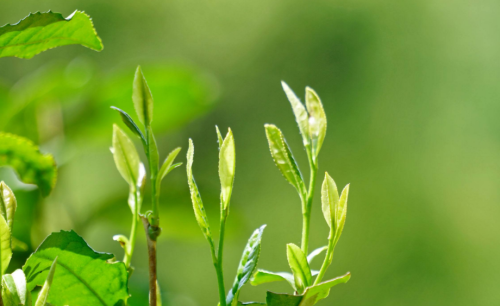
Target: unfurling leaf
(220, 140)
(143, 99)
(317, 121)
(227, 164)
(300, 112)
(14, 290)
(167, 165)
(126, 157)
(284, 159)
(8, 204)
(329, 200)
(315, 253)
(32, 166)
(5, 245)
(248, 264)
(44, 293)
(199, 210)
(300, 267)
(42, 31)
(263, 276)
(94, 279)
(130, 123)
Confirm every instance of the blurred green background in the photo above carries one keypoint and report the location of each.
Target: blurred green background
(412, 97)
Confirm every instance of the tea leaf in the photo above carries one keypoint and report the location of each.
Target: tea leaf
(8, 204)
(318, 292)
(199, 210)
(5, 245)
(300, 268)
(315, 253)
(250, 303)
(167, 165)
(329, 200)
(227, 164)
(94, 279)
(317, 120)
(143, 99)
(44, 293)
(300, 113)
(276, 299)
(263, 276)
(32, 166)
(284, 159)
(129, 122)
(248, 264)
(126, 157)
(14, 291)
(220, 140)
(42, 31)
(341, 212)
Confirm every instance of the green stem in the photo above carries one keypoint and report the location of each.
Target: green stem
(328, 259)
(307, 206)
(220, 256)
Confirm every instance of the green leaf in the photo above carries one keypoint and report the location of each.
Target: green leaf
(158, 294)
(329, 200)
(300, 268)
(315, 253)
(284, 159)
(250, 303)
(248, 264)
(263, 276)
(227, 165)
(300, 113)
(17, 245)
(321, 291)
(154, 157)
(130, 123)
(126, 157)
(167, 165)
(94, 279)
(220, 140)
(143, 99)
(42, 31)
(14, 290)
(199, 210)
(44, 293)
(277, 299)
(317, 121)
(8, 204)
(5, 245)
(32, 166)
(341, 212)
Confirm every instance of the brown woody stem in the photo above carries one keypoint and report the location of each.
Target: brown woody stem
(152, 262)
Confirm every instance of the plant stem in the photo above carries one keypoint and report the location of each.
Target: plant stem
(152, 263)
(306, 210)
(130, 251)
(220, 256)
(328, 259)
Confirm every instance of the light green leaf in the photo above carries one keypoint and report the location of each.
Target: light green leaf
(315, 253)
(32, 166)
(143, 99)
(199, 210)
(248, 264)
(329, 200)
(44, 293)
(263, 276)
(5, 245)
(300, 267)
(317, 121)
(158, 294)
(166, 167)
(42, 31)
(300, 113)
(220, 140)
(126, 157)
(130, 123)
(94, 279)
(14, 290)
(8, 204)
(284, 159)
(227, 166)
(321, 291)
(341, 213)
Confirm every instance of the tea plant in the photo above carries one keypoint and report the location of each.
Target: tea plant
(311, 120)
(250, 257)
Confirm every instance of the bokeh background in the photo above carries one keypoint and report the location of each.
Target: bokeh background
(412, 97)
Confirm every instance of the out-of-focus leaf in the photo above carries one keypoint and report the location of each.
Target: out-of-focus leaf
(129, 122)
(14, 291)
(276, 299)
(315, 253)
(300, 112)
(247, 266)
(284, 159)
(42, 31)
(320, 291)
(263, 276)
(300, 267)
(250, 303)
(8, 204)
(5, 245)
(94, 280)
(126, 157)
(44, 293)
(199, 210)
(32, 166)
(18, 245)
(317, 121)
(142, 97)
(166, 167)
(329, 200)
(227, 165)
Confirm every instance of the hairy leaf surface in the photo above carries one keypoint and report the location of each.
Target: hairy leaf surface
(317, 120)
(142, 97)
(300, 113)
(227, 166)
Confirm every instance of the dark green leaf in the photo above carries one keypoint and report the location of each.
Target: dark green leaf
(8, 204)
(300, 112)
(42, 31)
(14, 291)
(300, 267)
(227, 167)
(94, 280)
(263, 276)
(32, 166)
(44, 293)
(129, 122)
(143, 99)
(276, 299)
